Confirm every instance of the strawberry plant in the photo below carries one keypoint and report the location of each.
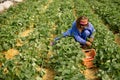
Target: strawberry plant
(66, 59)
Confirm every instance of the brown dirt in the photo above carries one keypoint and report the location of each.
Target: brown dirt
(46, 6)
(19, 42)
(49, 74)
(54, 27)
(74, 11)
(26, 33)
(117, 39)
(90, 74)
(38, 68)
(52, 36)
(0, 64)
(11, 53)
(5, 71)
(49, 54)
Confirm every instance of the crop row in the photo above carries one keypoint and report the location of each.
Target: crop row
(111, 3)
(67, 54)
(109, 12)
(16, 20)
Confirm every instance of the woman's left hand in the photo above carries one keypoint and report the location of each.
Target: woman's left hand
(91, 40)
(52, 43)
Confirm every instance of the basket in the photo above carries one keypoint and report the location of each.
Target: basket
(89, 57)
(89, 53)
(88, 62)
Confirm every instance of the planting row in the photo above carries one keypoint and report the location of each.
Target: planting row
(32, 53)
(109, 12)
(67, 54)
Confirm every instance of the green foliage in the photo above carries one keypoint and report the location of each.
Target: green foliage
(67, 54)
(108, 11)
(66, 59)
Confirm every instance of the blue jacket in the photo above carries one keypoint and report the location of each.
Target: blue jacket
(80, 37)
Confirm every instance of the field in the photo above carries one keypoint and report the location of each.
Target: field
(27, 28)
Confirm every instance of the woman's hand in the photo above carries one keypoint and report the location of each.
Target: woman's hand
(88, 43)
(52, 43)
(91, 40)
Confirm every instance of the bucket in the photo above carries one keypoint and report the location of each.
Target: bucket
(89, 57)
(88, 62)
(89, 53)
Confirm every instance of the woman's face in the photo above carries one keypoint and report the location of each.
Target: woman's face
(83, 23)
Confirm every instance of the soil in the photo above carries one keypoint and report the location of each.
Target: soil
(90, 74)
(11, 53)
(0, 64)
(117, 39)
(38, 68)
(5, 71)
(49, 74)
(26, 33)
(19, 42)
(47, 5)
(74, 13)
(50, 1)
(49, 54)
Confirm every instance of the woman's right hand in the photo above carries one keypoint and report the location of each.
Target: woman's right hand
(91, 40)
(88, 43)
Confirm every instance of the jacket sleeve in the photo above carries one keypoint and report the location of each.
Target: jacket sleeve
(67, 33)
(79, 39)
(92, 30)
(92, 33)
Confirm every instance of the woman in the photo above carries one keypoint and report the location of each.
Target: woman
(81, 30)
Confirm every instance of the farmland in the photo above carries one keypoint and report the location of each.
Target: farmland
(27, 28)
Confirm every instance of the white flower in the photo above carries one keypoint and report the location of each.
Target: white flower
(1, 8)
(18, 0)
(7, 4)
